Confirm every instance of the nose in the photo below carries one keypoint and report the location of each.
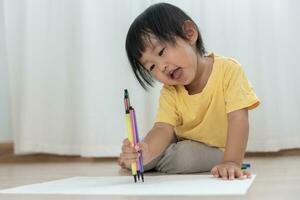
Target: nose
(164, 68)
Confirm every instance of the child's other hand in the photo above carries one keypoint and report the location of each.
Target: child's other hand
(130, 153)
(229, 171)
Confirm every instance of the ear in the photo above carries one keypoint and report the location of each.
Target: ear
(190, 31)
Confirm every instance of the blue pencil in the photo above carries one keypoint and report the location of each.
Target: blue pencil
(140, 153)
(245, 165)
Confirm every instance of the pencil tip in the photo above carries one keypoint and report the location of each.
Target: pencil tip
(138, 175)
(142, 176)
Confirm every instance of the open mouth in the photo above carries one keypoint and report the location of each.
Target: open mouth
(176, 73)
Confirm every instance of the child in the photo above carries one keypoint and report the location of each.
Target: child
(202, 120)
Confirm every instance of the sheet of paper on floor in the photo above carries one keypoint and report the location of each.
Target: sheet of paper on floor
(170, 185)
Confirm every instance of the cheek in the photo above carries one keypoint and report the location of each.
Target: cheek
(157, 76)
(183, 57)
(161, 78)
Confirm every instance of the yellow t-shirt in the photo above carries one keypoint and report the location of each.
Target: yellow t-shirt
(203, 117)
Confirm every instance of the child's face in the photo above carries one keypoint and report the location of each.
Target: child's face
(171, 64)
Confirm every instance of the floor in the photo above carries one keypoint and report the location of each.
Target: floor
(278, 175)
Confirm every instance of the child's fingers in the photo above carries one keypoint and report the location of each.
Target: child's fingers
(121, 162)
(242, 175)
(127, 149)
(138, 147)
(247, 174)
(214, 172)
(239, 174)
(126, 156)
(126, 142)
(128, 162)
(231, 174)
(223, 173)
(141, 146)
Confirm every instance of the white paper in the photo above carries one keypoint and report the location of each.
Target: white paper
(170, 185)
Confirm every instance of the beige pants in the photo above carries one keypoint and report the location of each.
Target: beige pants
(186, 157)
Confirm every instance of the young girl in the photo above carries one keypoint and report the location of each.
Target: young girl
(202, 120)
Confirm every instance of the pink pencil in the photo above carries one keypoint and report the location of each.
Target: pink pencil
(131, 111)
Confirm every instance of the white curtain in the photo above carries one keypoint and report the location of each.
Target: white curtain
(5, 114)
(66, 70)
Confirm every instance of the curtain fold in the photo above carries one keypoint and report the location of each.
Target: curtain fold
(64, 68)
(5, 110)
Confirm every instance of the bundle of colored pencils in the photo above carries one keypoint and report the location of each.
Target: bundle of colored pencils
(137, 168)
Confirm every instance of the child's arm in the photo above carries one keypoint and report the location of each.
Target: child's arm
(155, 142)
(158, 139)
(238, 131)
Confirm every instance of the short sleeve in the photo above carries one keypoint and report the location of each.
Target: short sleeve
(167, 109)
(238, 91)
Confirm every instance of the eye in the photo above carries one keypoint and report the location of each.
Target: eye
(151, 68)
(162, 51)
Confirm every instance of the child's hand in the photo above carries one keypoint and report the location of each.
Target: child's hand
(130, 153)
(229, 170)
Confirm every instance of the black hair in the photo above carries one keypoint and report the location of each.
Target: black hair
(165, 22)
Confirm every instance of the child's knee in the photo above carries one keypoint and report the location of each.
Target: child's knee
(189, 157)
(177, 158)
